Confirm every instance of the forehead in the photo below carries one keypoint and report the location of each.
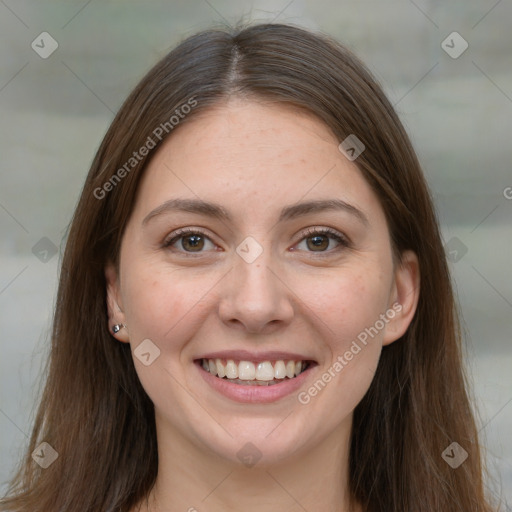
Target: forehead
(251, 131)
(252, 154)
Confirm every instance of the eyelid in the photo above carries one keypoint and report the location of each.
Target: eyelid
(341, 238)
(319, 230)
(179, 233)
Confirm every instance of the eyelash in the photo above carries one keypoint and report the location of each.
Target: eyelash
(338, 237)
(332, 233)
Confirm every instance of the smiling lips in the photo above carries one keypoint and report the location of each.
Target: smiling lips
(255, 378)
(254, 373)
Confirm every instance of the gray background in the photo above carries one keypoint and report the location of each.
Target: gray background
(457, 110)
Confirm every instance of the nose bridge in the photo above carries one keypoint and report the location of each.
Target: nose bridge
(255, 280)
(256, 295)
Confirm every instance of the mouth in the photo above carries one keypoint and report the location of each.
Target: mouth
(249, 373)
(254, 381)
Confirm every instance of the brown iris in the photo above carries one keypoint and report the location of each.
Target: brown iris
(194, 242)
(318, 242)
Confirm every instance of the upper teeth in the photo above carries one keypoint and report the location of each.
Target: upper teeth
(247, 370)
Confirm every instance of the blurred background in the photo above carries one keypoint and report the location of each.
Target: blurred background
(66, 67)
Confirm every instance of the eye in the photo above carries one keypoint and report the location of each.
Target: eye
(319, 240)
(192, 240)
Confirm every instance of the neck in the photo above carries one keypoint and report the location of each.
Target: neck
(192, 478)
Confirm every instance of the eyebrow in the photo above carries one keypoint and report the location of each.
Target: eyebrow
(217, 211)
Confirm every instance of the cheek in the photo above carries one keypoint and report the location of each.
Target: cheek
(348, 304)
(347, 309)
(163, 305)
(167, 308)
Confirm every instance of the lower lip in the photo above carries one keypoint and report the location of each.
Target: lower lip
(254, 393)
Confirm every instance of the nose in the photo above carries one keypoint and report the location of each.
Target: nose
(256, 297)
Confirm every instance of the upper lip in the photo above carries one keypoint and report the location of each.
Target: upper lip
(257, 357)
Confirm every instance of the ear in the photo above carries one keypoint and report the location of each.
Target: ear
(404, 297)
(114, 305)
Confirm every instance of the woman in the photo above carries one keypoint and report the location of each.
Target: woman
(255, 310)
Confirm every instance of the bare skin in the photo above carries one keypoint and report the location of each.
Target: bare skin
(305, 293)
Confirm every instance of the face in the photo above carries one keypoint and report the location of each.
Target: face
(254, 240)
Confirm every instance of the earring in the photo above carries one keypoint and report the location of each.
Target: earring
(117, 328)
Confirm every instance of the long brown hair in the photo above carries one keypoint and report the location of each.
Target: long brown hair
(94, 411)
